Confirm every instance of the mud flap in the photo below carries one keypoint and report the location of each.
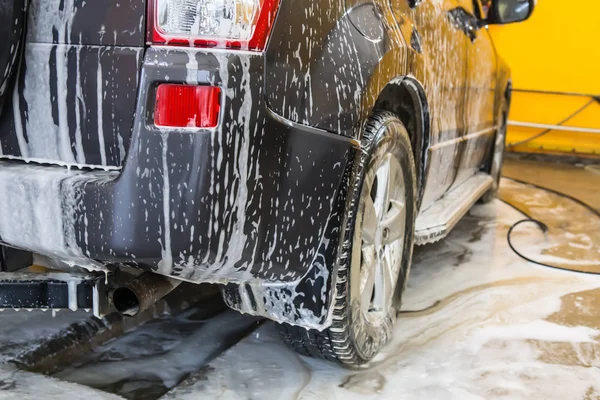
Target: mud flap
(12, 23)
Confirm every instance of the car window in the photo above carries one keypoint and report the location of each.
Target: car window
(486, 5)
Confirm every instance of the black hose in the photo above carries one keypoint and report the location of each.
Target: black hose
(543, 227)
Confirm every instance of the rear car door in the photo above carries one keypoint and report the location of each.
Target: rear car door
(480, 93)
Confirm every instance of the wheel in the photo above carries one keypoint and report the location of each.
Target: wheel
(497, 158)
(372, 278)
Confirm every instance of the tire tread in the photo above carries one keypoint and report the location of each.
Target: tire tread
(335, 343)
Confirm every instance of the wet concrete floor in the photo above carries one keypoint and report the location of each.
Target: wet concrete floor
(578, 180)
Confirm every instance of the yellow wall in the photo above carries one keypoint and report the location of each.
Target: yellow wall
(557, 49)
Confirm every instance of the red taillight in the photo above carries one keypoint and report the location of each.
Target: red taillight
(244, 24)
(185, 106)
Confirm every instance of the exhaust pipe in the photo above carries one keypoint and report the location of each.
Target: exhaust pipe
(142, 292)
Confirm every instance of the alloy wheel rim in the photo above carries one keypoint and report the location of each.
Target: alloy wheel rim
(382, 237)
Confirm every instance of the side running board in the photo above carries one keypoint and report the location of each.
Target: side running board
(438, 220)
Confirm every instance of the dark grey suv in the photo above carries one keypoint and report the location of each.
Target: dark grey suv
(292, 152)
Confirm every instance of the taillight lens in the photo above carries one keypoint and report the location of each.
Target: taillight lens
(185, 106)
(213, 23)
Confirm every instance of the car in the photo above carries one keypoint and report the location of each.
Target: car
(292, 153)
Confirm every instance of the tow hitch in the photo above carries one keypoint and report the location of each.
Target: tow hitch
(54, 291)
(24, 286)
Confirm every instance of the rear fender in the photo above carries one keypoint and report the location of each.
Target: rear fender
(329, 76)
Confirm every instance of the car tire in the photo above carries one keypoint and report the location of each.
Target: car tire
(12, 23)
(497, 158)
(374, 268)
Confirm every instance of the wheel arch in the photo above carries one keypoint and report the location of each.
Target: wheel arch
(508, 91)
(503, 86)
(405, 97)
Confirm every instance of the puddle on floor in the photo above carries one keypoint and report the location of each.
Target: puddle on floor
(22, 331)
(145, 363)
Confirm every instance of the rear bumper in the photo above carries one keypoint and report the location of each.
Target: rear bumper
(248, 201)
